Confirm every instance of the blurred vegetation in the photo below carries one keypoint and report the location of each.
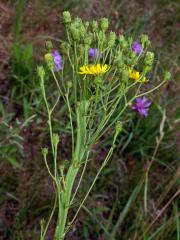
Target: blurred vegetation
(137, 194)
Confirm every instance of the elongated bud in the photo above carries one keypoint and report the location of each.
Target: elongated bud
(49, 60)
(133, 58)
(125, 76)
(81, 49)
(104, 24)
(112, 39)
(49, 46)
(149, 58)
(130, 40)
(94, 26)
(122, 41)
(119, 127)
(88, 39)
(167, 76)
(55, 138)
(75, 33)
(145, 40)
(65, 47)
(66, 17)
(86, 25)
(41, 72)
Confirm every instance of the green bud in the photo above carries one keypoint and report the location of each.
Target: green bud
(75, 34)
(94, 26)
(125, 76)
(167, 76)
(112, 39)
(86, 25)
(42, 223)
(130, 40)
(65, 47)
(122, 41)
(49, 60)
(102, 37)
(55, 139)
(104, 24)
(145, 40)
(146, 69)
(66, 17)
(41, 72)
(44, 151)
(88, 39)
(81, 49)
(69, 84)
(133, 58)
(149, 58)
(118, 127)
(118, 60)
(49, 46)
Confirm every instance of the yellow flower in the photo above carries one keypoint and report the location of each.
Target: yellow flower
(94, 69)
(135, 75)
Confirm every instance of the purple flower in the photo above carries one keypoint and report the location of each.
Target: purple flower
(136, 47)
(57, 60)
(94, 52)
(142, 105)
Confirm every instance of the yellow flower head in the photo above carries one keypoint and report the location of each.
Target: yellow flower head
(94, 69)
(135, 75)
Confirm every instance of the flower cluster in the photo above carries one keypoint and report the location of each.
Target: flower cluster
(96, 51)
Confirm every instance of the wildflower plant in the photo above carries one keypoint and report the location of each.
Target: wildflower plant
(98, 76)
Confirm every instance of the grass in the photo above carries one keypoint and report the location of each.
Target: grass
(137, 195)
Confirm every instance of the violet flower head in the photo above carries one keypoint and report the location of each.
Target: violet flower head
(136, 47)
(94, 52)
(142, 105)
(57, 60)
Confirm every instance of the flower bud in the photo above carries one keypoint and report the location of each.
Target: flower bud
(125, 76)
(149, 58)
(49, 46)
(130, 40)
(55, 139)
(86, 25)
(145, 40)
(41, 72)
(122, 41)
(118, 60)
(66, 17)
(104, 24)
(44, 151)
(118, 127)
(49, 60)
(75, 34)
(69, 84)
(133, 58)
(88, 39)
(102, 37)
(94, 26)
(167, 76)
(112, 39)
(65, 47)
(81, 49)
